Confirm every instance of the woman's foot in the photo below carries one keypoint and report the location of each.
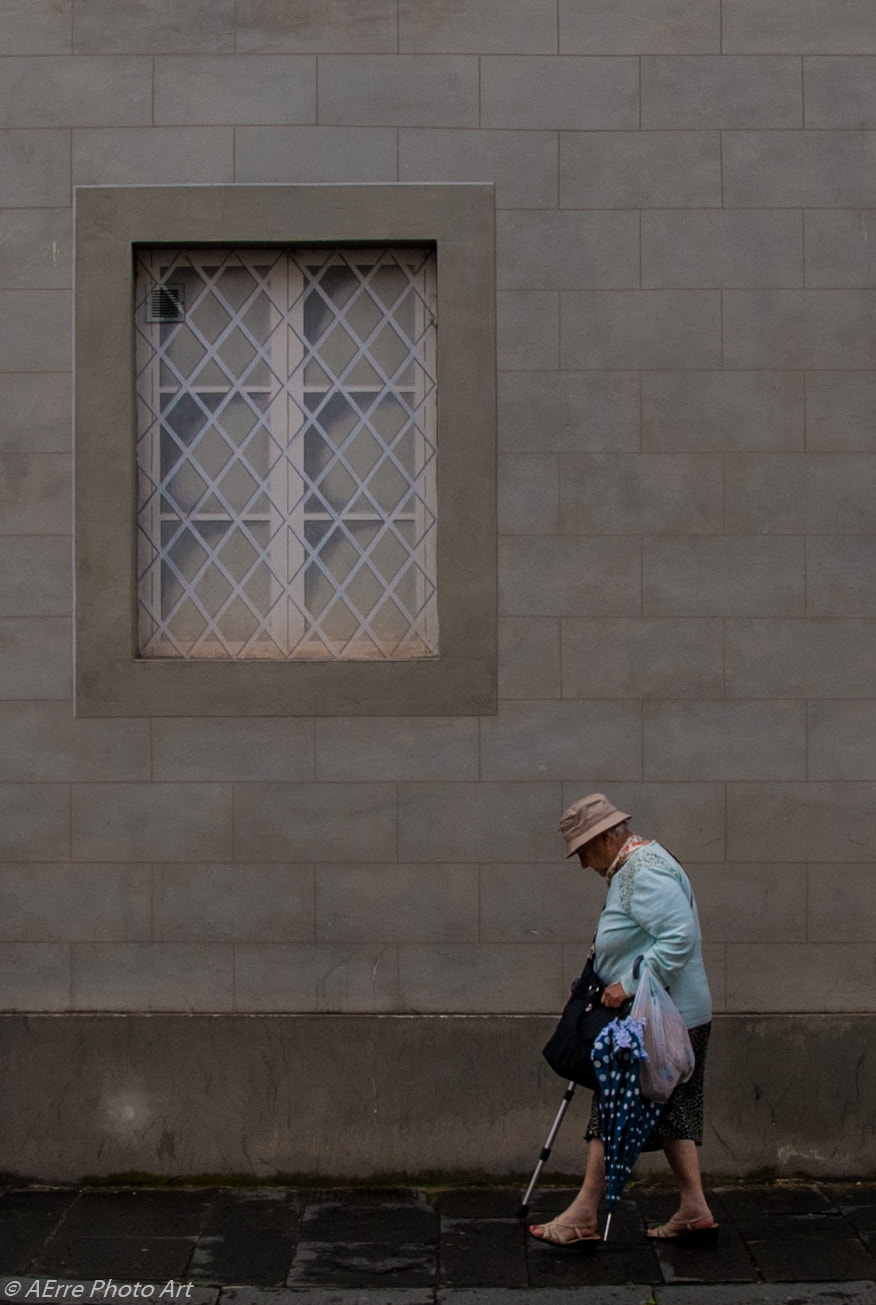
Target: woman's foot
(564, 1234)
(678, 1227)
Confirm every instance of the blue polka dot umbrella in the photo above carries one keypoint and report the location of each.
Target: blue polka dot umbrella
(626, 1117)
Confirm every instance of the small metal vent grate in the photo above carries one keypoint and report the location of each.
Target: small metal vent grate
(166, 303)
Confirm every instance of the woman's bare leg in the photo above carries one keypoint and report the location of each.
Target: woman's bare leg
(582, 1212)
(684, 1163)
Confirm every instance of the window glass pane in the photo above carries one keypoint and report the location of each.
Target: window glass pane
(286, 453)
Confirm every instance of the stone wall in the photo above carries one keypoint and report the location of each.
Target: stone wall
(686, 224)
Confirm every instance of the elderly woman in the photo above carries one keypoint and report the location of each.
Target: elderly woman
(649, 911)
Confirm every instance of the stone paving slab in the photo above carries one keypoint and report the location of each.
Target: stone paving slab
(363, 1264)
(800, 1293)
(862, 1217)
(149, 1212)
(629, 1294)
(409, 1246)
(28, 1218)
(326, 1296)
(611, 1265)
(793, 1227)
(722, 1258)
(757, 1201)
(143, 1259)
(479, 1203)
(812, 1261)
(339, 1222)
(823, 1293)
(482, 1252)
(247, 1237)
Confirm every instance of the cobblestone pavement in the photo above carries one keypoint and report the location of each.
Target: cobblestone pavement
(786, 1243)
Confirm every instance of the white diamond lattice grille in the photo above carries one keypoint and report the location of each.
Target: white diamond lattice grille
(286, 454)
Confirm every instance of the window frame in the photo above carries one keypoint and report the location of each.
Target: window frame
(459, 220)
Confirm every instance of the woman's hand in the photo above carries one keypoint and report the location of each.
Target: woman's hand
(614, 996)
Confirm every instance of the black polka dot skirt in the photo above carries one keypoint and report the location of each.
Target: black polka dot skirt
(682, 1116)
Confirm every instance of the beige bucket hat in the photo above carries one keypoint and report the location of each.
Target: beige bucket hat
(588, 818)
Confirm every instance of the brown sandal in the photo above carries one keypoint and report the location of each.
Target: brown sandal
(552, 1233)
(676, 1227)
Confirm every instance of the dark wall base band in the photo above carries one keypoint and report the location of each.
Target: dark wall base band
(366, 1097)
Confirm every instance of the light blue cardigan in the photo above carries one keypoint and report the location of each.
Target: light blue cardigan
(650, 910)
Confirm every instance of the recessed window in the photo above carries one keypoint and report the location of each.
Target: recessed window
(286, 453)
(285, 450)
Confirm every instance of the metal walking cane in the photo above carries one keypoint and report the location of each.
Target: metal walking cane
(546, 1150)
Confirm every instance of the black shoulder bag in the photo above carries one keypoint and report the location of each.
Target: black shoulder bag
(584, 1017)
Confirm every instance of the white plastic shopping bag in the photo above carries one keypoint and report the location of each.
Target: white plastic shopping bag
(667, 1041)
